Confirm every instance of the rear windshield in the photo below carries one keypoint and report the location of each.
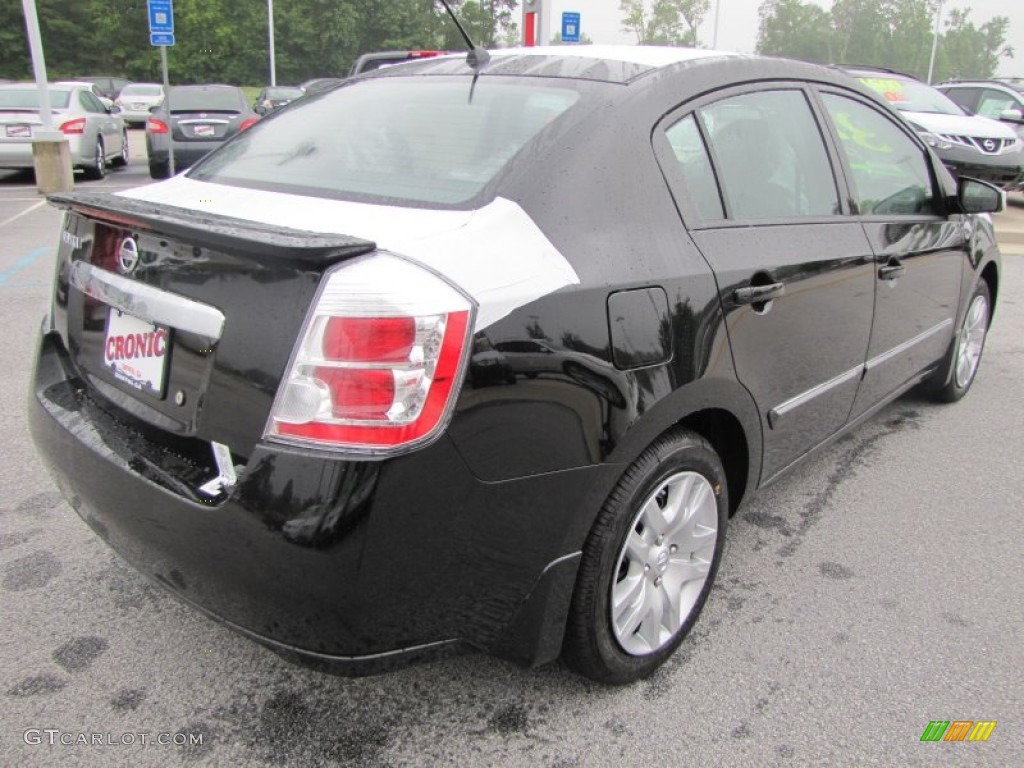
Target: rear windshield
(283, 93)
(28, 99)
(201, 100)
(415, 139)
(142, 90)
(911, 96)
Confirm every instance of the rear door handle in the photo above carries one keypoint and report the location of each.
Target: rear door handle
(891, 271)
(755, 294)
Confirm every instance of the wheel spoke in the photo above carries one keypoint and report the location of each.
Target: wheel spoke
(653, 517)
(634, 613)
(650, 627)
(636, 547)
(689, 569)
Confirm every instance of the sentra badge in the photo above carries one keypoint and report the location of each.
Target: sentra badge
(127, 256)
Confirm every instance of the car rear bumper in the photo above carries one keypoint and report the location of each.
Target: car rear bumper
(19, 155)
(16, 154)
(185, 155)
(354, 566)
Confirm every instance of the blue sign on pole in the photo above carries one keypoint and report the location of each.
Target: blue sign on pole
(570, 27)
(161, 22)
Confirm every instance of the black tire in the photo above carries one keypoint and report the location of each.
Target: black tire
(955, 375)
(159, 170)
(98, 170)
(593, 646)
(122, 159)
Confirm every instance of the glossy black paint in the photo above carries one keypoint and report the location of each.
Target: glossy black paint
(356, 564)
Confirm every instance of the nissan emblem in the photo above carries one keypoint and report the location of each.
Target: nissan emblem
(127, 256)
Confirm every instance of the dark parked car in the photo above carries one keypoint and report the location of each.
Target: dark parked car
(108, 85)
(286, 384)
(274, 97)
(198, 118)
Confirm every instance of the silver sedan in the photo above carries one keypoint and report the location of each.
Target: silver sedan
(96, 134)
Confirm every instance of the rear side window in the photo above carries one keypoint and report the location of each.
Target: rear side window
(770, 156)
(28, 98)
(890, 172)
(692, 156)
(413, 139)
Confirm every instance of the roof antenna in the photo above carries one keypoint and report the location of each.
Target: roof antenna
(477, 57)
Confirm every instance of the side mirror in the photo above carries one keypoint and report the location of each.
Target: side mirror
(976, 196)
(1012, 115)
(259, 109)
(114, 110)
(154, 109)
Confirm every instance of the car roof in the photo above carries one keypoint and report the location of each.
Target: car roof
(654, 56)
(59, 85)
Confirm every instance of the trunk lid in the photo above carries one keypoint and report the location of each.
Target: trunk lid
(181, 319)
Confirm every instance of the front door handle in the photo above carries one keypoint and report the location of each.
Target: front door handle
(891, 271)
(756, 294)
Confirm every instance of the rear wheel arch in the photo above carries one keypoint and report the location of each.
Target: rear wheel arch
(719, 410)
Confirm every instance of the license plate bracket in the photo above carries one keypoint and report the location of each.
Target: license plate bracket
(135, 352)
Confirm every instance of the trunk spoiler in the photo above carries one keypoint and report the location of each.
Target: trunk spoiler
(249, 239)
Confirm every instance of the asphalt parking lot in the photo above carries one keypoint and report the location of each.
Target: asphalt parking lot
(873, 590)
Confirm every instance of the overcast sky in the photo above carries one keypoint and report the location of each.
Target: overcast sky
(601, 20)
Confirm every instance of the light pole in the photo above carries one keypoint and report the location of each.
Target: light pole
(935, 42)
(50, 155)
(270, 29)
(714, 35)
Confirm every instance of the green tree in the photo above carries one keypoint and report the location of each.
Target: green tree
(966, 51)
(886, 33)
(800, 30)
(664, 22)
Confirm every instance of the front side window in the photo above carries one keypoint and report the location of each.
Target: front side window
(90, 103)
(770, 156)
(993, 103)
(891, 174)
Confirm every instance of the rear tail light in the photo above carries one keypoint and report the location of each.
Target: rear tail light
(156, 126)
(248, 123)
(378, 366)
(74, 126)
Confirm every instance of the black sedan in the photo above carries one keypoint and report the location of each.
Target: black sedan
(196, 119)
(485, 356)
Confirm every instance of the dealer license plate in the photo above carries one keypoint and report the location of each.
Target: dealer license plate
(204, 130)
(135, 352)
(19, 131)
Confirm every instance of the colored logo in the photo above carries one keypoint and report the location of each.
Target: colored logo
(958, 730)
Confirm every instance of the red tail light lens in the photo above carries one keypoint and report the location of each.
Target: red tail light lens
(73, 126)
(248, 123)
(385, 339)
(156, 126)
(379, 362)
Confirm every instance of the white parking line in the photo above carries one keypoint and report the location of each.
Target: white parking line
(27, 211)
